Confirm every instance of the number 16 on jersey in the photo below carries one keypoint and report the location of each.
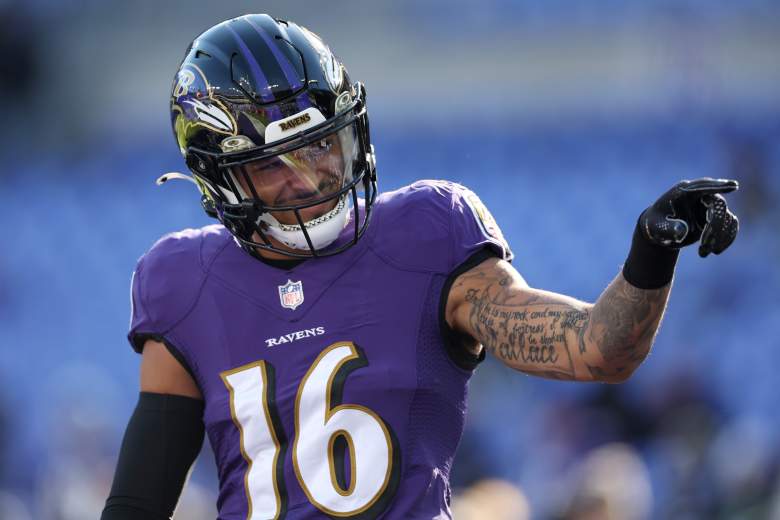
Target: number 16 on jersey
(326, 431)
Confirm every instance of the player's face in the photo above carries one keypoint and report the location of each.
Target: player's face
(294, 178)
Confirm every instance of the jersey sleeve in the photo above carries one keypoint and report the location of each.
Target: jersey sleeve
(435, 226)
(474, 237)
(473, 228)
(164, 286)
(140, 318)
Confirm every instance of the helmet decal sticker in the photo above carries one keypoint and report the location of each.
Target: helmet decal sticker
(296, 121)
(342, 102)
(282, 128)
(330, 65)
(194, 106)
(184, 79)
(212, 115)
(236, 143)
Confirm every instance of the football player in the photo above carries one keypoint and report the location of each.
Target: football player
(323, 335)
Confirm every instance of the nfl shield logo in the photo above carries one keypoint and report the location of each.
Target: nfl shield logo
(291, 294)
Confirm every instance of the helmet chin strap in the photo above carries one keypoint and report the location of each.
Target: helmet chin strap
(322, 230)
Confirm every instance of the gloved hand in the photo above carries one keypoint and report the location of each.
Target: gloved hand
(690, 211)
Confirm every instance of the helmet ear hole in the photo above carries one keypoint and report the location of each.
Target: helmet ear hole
(202, 165)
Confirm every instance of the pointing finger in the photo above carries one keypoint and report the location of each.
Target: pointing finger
(707, 185)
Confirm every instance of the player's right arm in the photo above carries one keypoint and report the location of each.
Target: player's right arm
(161, 373)
(162, 440)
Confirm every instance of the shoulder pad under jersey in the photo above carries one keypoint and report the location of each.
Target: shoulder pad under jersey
(168, 278)
(434, 226)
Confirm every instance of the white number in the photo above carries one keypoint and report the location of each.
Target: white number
(319, 423)
(259, 444)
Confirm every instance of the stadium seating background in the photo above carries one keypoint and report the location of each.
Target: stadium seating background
(564, 174)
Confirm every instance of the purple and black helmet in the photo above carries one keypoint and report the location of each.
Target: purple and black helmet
(263, 102)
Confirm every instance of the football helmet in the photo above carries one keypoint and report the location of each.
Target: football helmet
(276, 137)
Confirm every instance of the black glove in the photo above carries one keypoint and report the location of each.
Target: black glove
(690, 211)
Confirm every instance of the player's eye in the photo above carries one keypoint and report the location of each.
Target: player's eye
(315, 151)
(266, 165)
(321, 147)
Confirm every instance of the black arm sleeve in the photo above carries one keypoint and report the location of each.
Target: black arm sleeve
(162, 440)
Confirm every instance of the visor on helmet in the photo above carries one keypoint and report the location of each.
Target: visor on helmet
(301, 188)
(287, 177)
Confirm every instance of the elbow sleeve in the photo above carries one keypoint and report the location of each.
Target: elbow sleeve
(162, 440)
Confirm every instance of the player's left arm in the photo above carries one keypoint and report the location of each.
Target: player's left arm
(552, 335)
(555, 336)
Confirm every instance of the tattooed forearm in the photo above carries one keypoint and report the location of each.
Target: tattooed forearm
(624, 321)
(552, 335)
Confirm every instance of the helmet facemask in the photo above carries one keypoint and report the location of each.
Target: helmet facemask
(295, 196)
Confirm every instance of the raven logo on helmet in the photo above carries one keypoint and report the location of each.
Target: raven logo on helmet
(194, 105)
(211, 115)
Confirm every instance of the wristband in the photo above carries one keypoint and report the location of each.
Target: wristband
(649, 266)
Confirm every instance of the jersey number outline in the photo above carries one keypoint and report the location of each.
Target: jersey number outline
(322, 425)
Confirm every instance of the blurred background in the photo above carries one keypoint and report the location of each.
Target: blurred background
(567, 118)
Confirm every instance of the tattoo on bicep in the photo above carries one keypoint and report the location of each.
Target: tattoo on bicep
(529, 333)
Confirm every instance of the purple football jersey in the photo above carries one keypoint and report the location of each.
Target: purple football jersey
(328, 388)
